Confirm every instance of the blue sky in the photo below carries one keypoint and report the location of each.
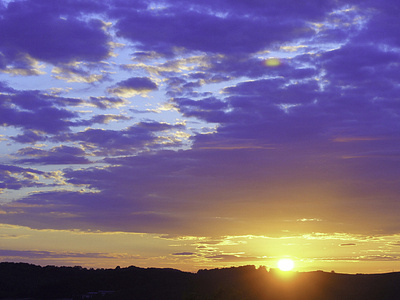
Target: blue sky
(191, 124)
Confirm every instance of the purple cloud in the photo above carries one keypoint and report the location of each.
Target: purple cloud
(106, 102)
(33, 110)
(101, 119)
(208, 109)
(133, 86)
(15, 178)
(118, 142)
(29, 137)
(36, 112)
(205, 28)
(38, 30)
(382, 24)
(55, 156)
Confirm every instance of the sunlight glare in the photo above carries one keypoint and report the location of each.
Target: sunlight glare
(285, 264)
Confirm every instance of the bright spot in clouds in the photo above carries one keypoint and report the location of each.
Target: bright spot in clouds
(285, 264)
(273, 62)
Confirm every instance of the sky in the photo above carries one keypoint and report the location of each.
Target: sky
(200, 134)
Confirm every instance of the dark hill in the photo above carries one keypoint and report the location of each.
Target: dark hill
(26, 281)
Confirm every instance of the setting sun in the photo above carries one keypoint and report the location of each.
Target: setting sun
(285, 264)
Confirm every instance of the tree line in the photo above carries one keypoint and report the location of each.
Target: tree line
(28, 281)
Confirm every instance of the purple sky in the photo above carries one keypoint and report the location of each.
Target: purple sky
(204, 121)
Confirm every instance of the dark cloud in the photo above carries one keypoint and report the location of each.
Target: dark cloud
(252, 67)
(159, 192)
(38, 113)
(355, 97)
(56, 156)
(218, 183)
(15, 178)
(31, 254)
(29, 137)
(132, 86)
(355, 65)
(82, 72)
(34, 99)
(47, 119)
(184, 253)
(101, 119)
(106, 102)
(217, 27)
(313, 10)
(86, 211)
(267, 110)
(208, 109)
(39, 30)
(118, 142)
(179, 87)
(34, 110)
(381, 27)
(5, 88)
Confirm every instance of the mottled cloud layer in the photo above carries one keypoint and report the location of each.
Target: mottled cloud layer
(208, 118)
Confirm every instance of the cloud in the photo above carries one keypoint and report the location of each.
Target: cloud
(184, 254)
(106, 102)
(253, 111)
(133, 86)
(379, 258)
(381, 26)
(85, 211)
(35, 254)
(308, 220)
(208, 109)
(233, 258)
(76, 73)
(226, 180)
(35, 111)
(40, 115)
(159, 192)
(55, 156)
(29, 136)
(101, 119)
(138, 137)
(197, 28)
(16, 178)
(25, 24)
(347, 245)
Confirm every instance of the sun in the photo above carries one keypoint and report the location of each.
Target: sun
(285, 264)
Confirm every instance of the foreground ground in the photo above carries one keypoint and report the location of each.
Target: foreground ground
(26, 281)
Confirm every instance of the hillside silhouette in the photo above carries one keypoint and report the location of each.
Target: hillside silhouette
(27, 281)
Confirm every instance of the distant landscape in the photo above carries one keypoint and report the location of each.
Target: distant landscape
(27, 281)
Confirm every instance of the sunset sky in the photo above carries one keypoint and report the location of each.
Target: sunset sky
(200, 134)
